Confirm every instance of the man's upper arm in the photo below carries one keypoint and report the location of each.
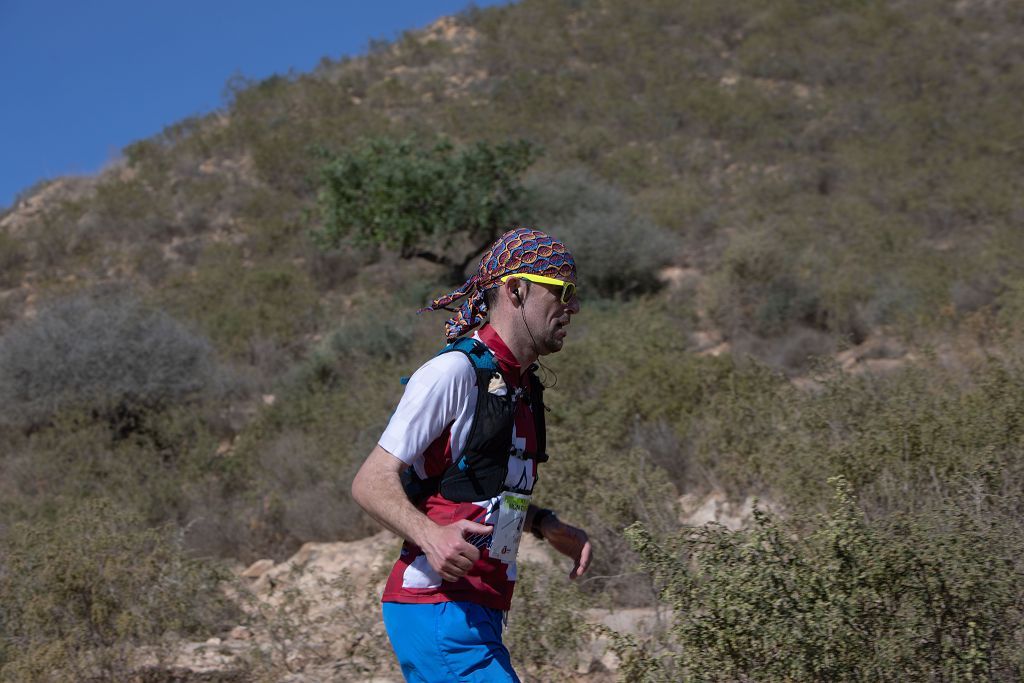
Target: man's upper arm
(434, 396)
(380, 460)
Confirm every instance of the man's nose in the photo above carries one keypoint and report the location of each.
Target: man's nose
(574, 305)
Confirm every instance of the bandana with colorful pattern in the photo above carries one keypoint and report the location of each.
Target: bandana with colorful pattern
(522, 250)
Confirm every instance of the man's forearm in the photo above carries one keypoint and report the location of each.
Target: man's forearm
(377, 488)
(565, 538)
(531, 517)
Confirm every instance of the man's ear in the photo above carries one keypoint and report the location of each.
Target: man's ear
(514, 286)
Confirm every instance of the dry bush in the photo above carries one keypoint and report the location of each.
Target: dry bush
(323, 628)
(757, 288)
(244, 307)
(307, 490)
(13, 255)
(617, 250)
(105, 353)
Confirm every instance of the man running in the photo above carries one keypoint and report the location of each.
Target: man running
(453, 472)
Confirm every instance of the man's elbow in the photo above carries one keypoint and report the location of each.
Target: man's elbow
(378, 479)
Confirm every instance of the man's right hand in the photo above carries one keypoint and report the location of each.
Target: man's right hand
(448, 551)
(377, 487)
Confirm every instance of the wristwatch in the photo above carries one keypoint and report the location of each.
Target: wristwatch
(538, 519)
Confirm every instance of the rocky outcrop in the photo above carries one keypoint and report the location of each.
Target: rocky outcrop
(313, 617)
(316, 617)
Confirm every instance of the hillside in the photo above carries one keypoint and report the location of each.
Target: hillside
(798, 227)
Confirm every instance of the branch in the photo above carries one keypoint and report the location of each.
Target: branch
(465, 262)
(439, 259)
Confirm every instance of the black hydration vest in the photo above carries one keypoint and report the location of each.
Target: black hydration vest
(480, 472)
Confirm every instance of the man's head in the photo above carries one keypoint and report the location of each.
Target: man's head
(534, 309)
(525, 273)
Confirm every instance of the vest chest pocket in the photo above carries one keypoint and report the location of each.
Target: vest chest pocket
(480, 472)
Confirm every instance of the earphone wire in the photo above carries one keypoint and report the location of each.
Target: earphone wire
(548, 372)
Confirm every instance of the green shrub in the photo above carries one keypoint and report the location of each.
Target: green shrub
(57, 235)
(929, 596)
(1010, 310)
(607, 467)
(82, 591)
(603, 491)
(276, 225)
(167, 470)
(332, 268)
(301, 453)
(106, 353)
(388, 336)
(627, 378)
(11, 307)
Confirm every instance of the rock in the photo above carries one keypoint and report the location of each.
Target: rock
(595, 656)
(533, 550)
(240, 633)
(677, 277)
(258, 569)
(703, 340)
(717, 351)
(634, 620)
(609, 660)
(715, 507)
(873, 355)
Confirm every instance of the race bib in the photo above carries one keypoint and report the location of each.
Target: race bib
(508, 528)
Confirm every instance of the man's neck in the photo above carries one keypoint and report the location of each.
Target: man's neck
(518, 342)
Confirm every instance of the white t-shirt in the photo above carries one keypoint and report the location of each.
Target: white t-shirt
(441, 392)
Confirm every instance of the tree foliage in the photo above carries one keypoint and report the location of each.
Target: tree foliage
(426, 202)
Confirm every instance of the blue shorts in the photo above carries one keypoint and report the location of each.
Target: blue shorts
(448, 641)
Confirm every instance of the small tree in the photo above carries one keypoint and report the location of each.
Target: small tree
(442, 203)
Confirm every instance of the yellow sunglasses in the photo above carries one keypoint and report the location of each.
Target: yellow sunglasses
(568, 288)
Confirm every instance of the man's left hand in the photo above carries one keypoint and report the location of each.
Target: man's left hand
(570, 541)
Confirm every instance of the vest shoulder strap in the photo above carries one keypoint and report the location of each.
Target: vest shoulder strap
(479, 355)
(476, 351)
(537, 408)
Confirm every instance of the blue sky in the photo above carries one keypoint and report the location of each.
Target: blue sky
(82, 79)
